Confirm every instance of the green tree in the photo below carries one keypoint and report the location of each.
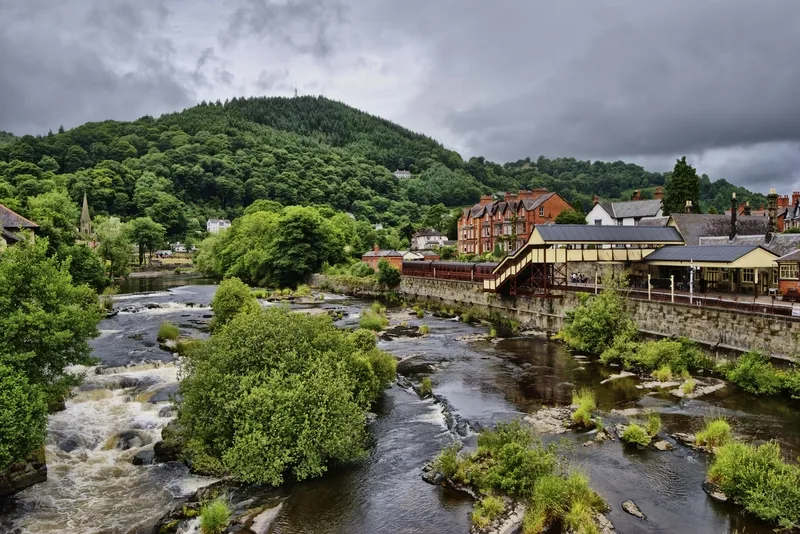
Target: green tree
(683, 185)
(23, 416)
(571, 217)
(114, 247)
(145, 233)
(388, 275)
(277, 393)
(45, 321)
(85, 266)
(57, 217)
(232, 298)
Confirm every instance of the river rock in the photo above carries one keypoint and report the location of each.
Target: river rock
(550, 420)
(25, 474)
(70, 443)
(684, 438)
(262, 521)
(631, 508)
(165, 411)
(714, 492)
(144, 457)
(165, 451)
(663, 445)
(416, 365)
(130, 439)
(623, 374)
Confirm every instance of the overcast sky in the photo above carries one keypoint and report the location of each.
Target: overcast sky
(643, 81)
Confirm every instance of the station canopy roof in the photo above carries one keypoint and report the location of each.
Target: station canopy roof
(602, 235)
(729, 256)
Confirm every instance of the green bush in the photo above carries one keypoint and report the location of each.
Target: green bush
(791, 383)
(585, 400)
(635, 435)
(759, 479)
(214, 517)
(666, 356)
(363, 339)
(372, 320)
(232, 298)
(420, 313)
(302, 291)
(23, 417)
(653, 426)
(598, 320)
(287, 292)
(388, 275)
(361, 270)
(275, 394)
(715, 434)
(486, 510)
(447, 461)
(688, 386)
(260, 293)
(754, 373)
(569, 500)
(425, 387)
(168, 331)
(424, 329)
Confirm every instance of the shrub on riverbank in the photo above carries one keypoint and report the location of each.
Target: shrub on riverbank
(595, 324)
(635, 435)
(214, 517)
(653, 426)
(425, 387)
(232, 298)
(509, 460)
(486, 510)
(276, 394)
(715, 434)
(23, 417)
(586, 403)
(374, 318)
(759, 479)
(754, 373)
(167, 331)
(666, 357)
(388, 275)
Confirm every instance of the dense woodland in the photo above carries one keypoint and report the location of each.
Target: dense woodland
(215, 159)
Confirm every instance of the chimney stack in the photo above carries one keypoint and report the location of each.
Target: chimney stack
(746, 210)
(733, 216)
(595, 199)
(637, 195)
(375, 247)
(659, 194)
(795, 198)
(783, 201)
(688, 208)
(486, 199)
(772, 199)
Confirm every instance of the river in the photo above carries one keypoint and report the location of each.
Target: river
(93, 487)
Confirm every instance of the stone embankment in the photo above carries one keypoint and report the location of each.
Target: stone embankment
(24, 474)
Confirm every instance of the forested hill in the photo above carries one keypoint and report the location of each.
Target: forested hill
(214, 159)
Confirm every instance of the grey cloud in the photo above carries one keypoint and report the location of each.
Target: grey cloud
(305, 26)
(275, 79)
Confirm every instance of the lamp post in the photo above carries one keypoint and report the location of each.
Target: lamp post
(691, 282)
(648, 286)
(672, 287)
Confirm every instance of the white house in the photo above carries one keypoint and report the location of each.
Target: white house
(402, 175)
(427, 238)
(623, 213)
(213, 226)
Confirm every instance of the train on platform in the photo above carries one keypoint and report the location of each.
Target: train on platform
(450, 270)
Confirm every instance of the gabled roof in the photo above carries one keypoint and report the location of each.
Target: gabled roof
(13, 220)
(698, 253)
(382, 254)
(653, 221)
(428, 232)
(780, 244)
(636, 208)
(693, 226)
(792, 256)
(532, 204)
(219, 221)
(582, 233)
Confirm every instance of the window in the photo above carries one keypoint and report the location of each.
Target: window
(789, 271)
(748, 275)
(619, 222)
(711, 274)
(541, 211)
(598, 222)
(726, 275)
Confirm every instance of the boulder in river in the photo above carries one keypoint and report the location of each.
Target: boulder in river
(19, 476)
(144, 457)
(714, 492)
(663, 445)
(165, 451)
(686, 439)
(631, 508)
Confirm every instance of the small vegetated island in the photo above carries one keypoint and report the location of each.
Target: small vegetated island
(275, 395)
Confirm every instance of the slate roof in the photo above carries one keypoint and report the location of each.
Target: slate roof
(583, 233)
(693, 226)
(10, 237)
(382, 254)
(13, 220)
(792, 256)
(502, 206)
(780, 244)
(653, 221)
(427, 232)
(718, 254)
(634, 208)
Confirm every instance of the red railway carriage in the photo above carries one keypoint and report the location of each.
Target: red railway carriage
(449, 270)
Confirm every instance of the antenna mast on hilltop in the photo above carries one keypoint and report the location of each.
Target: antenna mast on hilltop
(295, 92)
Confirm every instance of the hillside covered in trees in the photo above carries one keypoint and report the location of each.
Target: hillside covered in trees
(215, 159)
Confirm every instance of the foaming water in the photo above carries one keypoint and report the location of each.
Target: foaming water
(92, 484)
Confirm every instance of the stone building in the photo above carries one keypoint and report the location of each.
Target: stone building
(12, 224)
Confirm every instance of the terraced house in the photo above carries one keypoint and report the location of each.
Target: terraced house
(507, 223)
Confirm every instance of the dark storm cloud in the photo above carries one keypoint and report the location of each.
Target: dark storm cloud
(81, 61)
(305, 26)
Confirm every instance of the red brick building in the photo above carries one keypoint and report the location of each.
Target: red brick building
(789, 275)
(508, 222)
(374, 256)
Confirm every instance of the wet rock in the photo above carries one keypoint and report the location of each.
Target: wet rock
(623, 374)
(165, 394)
(602, 435)
(262, 521)
(400, 331)
(550, 420)
(129, 439)
(145, 457)
(627, 412)
(474, 337)
(631, 508)
(699, 390)
(604, 524)
(663, 445)
(714, 492)
(430, 475)
(371, 417)
(25, 474)
(165, 411)
(71, 443)
(165, 451)
(462, 427)
(415, 365)
(684, 438)
(655, 384)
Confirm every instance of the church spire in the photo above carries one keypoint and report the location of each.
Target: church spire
(86, 220)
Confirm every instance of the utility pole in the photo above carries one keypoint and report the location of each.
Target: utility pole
(295, 92)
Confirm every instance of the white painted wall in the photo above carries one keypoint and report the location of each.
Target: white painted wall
(597, 212)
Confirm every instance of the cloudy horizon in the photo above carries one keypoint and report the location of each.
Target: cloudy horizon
(642, 82)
